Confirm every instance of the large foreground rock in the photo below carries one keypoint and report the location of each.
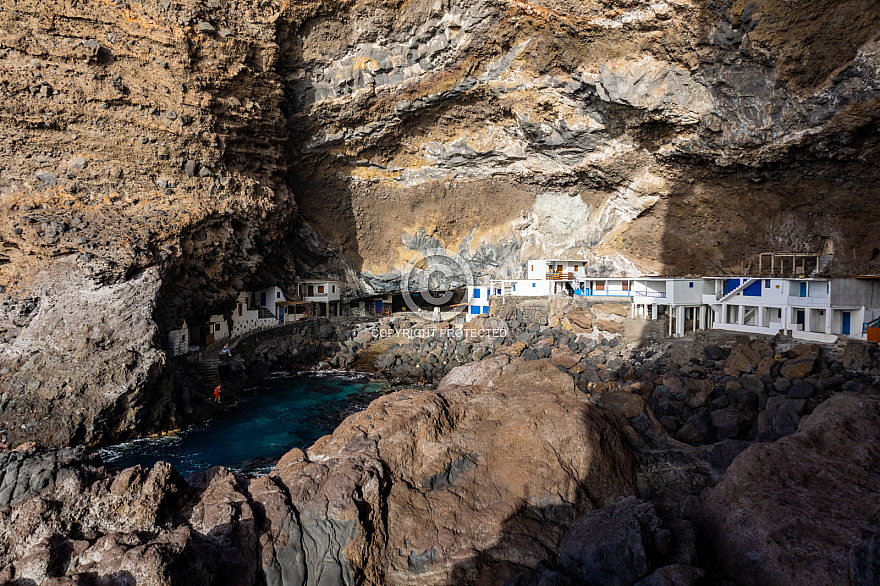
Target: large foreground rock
(806, 509)
(468, 484)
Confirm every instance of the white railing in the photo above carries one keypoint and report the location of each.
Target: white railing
(603, 293)
(809, 301)
(657, 294)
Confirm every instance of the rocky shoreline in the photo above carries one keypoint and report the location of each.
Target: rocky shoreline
(583, 459)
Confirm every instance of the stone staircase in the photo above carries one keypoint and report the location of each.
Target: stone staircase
(209, 371)
(722, 297)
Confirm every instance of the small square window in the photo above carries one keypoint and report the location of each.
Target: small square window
(766, 283)
(476, 292)
(278, 295)
(216, 327)
(691, 285)
(533, 284)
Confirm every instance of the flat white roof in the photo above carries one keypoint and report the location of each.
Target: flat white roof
(667, 278)
(558, 260)
(775, 278)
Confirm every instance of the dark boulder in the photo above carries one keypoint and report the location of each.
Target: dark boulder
(801, 390)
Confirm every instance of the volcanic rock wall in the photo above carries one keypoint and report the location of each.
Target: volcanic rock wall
(678, 136)
(141, 183)
(164, 155)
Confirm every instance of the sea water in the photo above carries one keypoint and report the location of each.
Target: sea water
(282, 413)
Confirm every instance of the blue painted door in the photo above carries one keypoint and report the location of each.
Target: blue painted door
(377, 306)
(844, 328)
(263, 299)
(803, 289)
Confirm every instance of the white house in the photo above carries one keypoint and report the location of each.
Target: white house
(547, 277)
(321, 292)
(604, 287)
(811, 309)
(561, 276)
(679, 298)
(478, 299)
(521, 287)
(178, 340)
(250, 316)
(269, 297)
(214, 330)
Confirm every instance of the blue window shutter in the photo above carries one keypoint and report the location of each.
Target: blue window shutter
(533, 284)
(476, 293)
(691, 285)
(485, 309)
(475, 310)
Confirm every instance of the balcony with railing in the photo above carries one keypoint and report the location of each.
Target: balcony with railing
(653, 294)
(809, 301)
(603, 293)
(560, 276)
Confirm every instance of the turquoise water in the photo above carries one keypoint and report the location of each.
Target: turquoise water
(283, 413)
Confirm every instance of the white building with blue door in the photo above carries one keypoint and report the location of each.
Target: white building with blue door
(811, 309)
(258, 310)
(478, 299)
(549, 277)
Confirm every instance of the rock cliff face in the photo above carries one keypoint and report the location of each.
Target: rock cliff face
(162, 155)
(636, 134)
